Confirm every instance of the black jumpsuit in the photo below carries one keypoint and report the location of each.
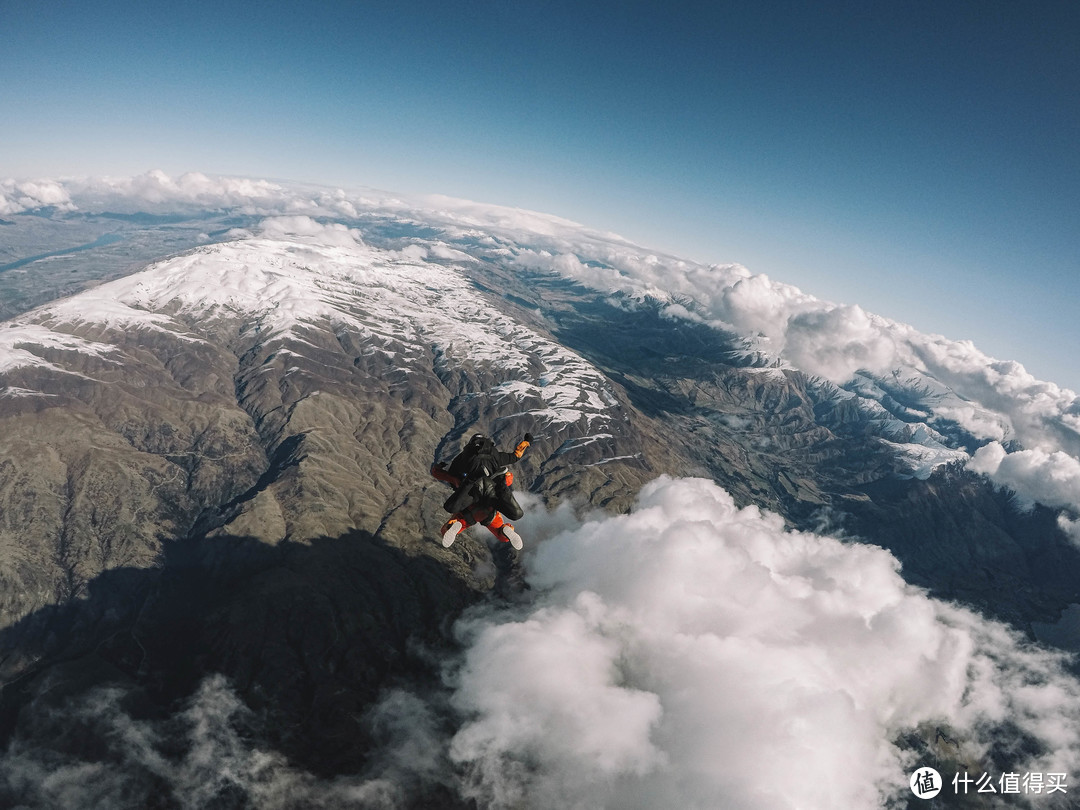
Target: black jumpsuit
(491, 490)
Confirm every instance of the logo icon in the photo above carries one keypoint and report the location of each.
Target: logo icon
(925, 783)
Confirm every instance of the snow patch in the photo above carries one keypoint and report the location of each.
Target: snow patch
(18, 340)
(299, 272)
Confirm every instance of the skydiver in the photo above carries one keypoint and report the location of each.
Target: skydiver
(482, 489)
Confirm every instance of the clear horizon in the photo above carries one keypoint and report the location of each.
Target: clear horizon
(918, 161)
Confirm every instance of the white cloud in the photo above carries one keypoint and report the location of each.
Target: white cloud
(568, 265)
(979, 422)
(836, 343)
(156, 190)
(441, 250)
(1040, 413)
(332, 234)
(30, 195)
(196, 759)
(496, 218)
(195, 187)
(548, 689)
(1070, 527)
(1052, 479)
(691, 654)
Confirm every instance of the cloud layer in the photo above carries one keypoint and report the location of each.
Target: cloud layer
(199, 758)
(691, 654)
(993, 398)
(31, 195)
(990, 399)
(1035, 475)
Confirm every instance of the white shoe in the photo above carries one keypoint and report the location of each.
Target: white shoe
(512, 536)
(451, 533)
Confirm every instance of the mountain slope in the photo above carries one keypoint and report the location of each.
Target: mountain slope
(219, 464)
(277, 393)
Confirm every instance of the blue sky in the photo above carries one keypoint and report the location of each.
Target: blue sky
(916, 158)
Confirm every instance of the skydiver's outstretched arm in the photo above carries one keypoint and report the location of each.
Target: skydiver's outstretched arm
(504, 459)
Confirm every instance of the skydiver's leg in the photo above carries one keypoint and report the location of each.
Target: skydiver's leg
(503, 531)
(460, 521)
(451, 529)
(505, 501)
(477, 513)
(462, 498)
(495, 524)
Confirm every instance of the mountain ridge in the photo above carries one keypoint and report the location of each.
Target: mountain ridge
(405, 315)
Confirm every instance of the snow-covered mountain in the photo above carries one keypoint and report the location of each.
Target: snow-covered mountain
(215, 459)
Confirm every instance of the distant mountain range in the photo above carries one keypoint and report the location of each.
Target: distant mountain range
(219, 401)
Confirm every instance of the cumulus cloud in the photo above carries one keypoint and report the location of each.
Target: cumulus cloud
(31, 195)
(547, 690)
(565, 264)
(980, 422)
(1041, 414)
(496, 218)
(1070, 527)
(692, 654)
(1034, 475)
(836, 343)
(198, 188)
(157, 191)
(305, 227)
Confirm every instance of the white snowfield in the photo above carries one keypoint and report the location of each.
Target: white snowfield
(298, 272)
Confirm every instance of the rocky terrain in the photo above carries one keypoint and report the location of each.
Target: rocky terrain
(219, 465)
